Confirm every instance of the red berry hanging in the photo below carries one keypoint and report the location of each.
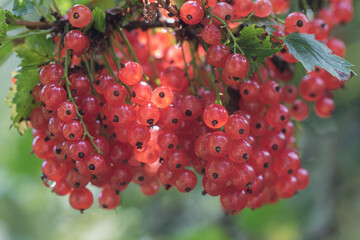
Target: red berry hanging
(79, 16)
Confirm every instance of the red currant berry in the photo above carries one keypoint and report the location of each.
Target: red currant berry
(217, 54)
(299, 110)
(81, 199)
(263, 8)
(191, 12)
(51, 74)
(162, 97)
(79, 16)
(324, 107)
(215, 116)
(297, 22)
(185, 180)
(211, 34)
(108, 199)
(130, 73)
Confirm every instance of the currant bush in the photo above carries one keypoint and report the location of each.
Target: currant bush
(118, 102)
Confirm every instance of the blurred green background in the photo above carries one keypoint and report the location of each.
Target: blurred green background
(328, 209)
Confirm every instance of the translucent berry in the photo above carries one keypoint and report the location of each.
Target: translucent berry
(81, 199)
(263, 8)
(211, 34)
(51, 74)
(191, 12)
(215, 116)
(79, 16)
(130, 73)
(297, 22)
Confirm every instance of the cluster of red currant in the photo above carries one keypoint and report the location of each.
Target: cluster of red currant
(157, 113)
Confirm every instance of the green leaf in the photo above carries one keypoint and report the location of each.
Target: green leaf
(21, 98)
(99, 19)
(266, 23)
(310, 52)
(21, 126)
(35, 50)
(105, 4)
(256, 45)
(3, 24)
(5, 51)
(22, 7)
(179, 3)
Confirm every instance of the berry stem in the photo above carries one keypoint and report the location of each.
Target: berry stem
(192, 52)
(151, 57)
(279, 20)
(186, 68)
(59, 49)
(91, 77)
(67, 84)
(113, 55)
(242, 20)
(227, 98)
(132, 51)
(305, 5)
(236, 46)
(40, 11)
(218, 98)
(107, 66)
(111, 72)
(259, 73)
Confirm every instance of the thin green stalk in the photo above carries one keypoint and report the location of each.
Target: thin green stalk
(107, 66)
(30, 34)
(227, 98)
(113, 55)
(218, 98)
(236, 46)
(39, 10)
(259, 73)
(200, 72)
(242, 20)
(132, 51)
(186, 68)
(151, 58)
(92, 65)
(67, 84)
(111, 72)
(59, 49)
(91, 77)
(305, 4)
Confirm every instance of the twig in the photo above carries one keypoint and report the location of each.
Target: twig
(31, 24)
(168, 7)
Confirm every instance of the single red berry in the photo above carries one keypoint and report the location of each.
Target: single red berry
(51, 74)
(185, 180)
(237, 66)
(324, 107)
(191, 12)
(79, 16)
(81, 199)
(297, 22)
(215, 116)
(211, 34)
(75, 40)
(263, 8)
(130, 73)
(108, 199)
